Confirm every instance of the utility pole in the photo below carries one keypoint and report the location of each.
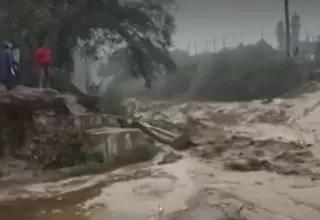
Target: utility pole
(223, 42)
(214, 44)
(287, 25)
(207, 45)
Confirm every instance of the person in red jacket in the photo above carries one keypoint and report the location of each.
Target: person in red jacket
(43, 58)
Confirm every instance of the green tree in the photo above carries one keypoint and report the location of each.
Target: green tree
(281, 36)
(140, 29)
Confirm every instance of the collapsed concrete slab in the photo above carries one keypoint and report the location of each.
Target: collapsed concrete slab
(119, 146)
(94, 120)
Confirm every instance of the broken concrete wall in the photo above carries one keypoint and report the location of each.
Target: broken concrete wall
(120, 146)
(52, 130)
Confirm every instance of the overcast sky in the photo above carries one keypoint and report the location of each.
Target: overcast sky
(201, 20)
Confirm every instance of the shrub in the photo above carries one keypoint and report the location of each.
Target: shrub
(243, 73)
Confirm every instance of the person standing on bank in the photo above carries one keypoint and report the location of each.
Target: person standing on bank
(43, 57)
(6, 66)
(16, 57)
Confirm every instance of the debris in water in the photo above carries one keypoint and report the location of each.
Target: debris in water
(160, 211)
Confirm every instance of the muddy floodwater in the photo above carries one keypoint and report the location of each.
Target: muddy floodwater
(263, 162)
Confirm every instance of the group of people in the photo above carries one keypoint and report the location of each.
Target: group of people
(10, 64)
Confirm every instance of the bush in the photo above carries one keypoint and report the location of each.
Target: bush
(243, 73)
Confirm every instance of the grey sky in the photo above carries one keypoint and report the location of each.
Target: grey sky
(200, 20)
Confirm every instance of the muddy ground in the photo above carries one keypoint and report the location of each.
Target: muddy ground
(262, 162)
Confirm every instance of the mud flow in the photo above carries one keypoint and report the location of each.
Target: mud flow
(247, 161)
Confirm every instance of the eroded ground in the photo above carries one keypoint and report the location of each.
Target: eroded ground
(261, 161)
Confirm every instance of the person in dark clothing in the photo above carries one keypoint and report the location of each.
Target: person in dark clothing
(6, 66)
(16, 61)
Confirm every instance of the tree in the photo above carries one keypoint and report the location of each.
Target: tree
(140, 29)
(280, 33)
(287, 25)
(295, 30)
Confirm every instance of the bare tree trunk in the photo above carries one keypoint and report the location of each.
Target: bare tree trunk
(287, 25)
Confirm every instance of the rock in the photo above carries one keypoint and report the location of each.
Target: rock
(170, 157)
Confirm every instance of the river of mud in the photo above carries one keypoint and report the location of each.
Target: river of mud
(263, 164)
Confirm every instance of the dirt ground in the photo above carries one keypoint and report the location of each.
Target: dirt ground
(263, 162)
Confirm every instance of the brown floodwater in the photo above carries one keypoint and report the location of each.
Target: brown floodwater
(62, 207)
(67, 205)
